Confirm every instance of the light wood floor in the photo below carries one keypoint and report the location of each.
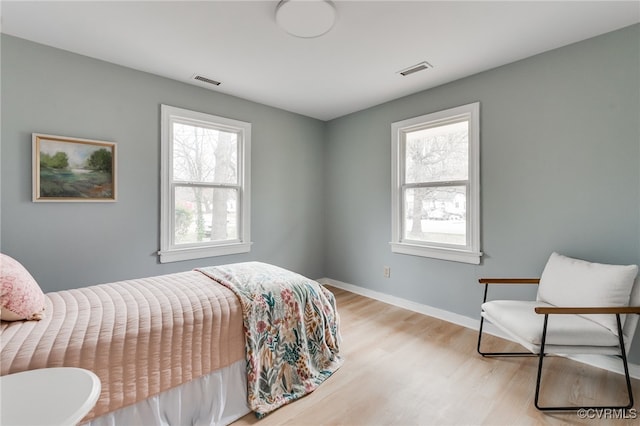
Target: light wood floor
(404, 368)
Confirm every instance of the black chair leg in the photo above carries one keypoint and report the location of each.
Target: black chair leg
(494, 354)
(623, 355)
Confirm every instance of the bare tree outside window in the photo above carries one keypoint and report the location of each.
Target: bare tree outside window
(205, 177)
(436, 169)
(205, 170)
(435, 185)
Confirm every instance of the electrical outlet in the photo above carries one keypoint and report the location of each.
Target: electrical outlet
(387, 271)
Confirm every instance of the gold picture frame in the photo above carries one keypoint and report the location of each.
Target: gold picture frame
(73, 170)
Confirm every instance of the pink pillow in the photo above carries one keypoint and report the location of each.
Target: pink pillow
(20, 295)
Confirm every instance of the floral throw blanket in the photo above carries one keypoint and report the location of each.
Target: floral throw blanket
(291, 327)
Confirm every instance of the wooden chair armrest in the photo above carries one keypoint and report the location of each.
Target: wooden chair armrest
(509, 280)
(590, 310)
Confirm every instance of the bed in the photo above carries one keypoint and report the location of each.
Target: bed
(200, 347)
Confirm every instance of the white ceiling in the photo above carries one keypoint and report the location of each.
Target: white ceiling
(352, 67)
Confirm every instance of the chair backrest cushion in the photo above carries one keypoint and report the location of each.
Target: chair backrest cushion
(577, 283)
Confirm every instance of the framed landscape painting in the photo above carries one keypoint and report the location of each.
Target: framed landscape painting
(71, 169)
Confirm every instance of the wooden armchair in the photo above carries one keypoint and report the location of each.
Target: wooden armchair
(591, 307)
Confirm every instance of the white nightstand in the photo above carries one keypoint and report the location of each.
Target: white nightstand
(47, 396)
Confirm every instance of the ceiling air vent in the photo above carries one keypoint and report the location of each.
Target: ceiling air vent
(415, 68)
(205, 80)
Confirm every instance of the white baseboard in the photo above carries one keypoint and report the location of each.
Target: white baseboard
(600, 361)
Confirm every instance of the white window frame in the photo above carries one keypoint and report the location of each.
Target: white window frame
(471, 252)
(170, 252)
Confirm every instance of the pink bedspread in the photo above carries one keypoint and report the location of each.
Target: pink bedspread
(141, 337)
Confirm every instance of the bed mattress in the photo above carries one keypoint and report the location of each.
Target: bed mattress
(141, 337)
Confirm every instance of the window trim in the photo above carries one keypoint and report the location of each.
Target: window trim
(471, 252)
(168, 251)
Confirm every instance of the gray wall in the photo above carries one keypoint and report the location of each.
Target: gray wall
(560, 144)
(560, 155)
(66, 245)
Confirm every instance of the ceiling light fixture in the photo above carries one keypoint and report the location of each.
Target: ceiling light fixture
(306, 18)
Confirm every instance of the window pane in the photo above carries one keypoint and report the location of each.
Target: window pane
(202, 154)
(205, 214)
(437, 154)
(436, 215)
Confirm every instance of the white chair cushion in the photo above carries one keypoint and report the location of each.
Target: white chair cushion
(571, 282)
(519, 319)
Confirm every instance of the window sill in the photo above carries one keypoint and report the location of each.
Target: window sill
(176, 255)
(437, 253)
